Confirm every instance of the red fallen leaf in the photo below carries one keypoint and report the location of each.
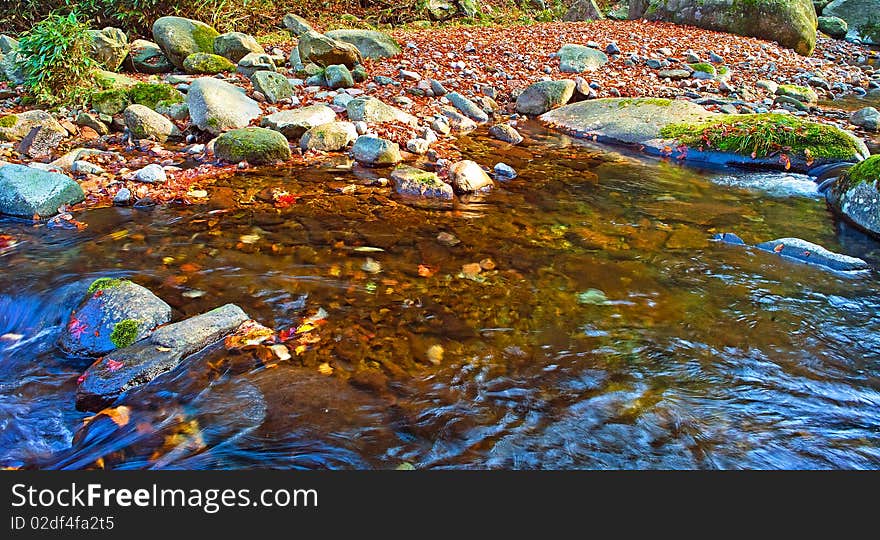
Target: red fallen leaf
(284, 199)
(426, 271)
(81, 378)
(807, 253)
(6, 241)
(99, 293)
(113, 365)
(286, 335)
(779, 248)
(76, 327)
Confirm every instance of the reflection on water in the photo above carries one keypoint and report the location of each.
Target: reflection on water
(699, 355)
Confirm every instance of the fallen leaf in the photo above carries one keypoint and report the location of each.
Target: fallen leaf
(779, 248)
(281, 352)
(426, 271)
(325, 369)
(113, 365)
(120, 415)
(435, 354)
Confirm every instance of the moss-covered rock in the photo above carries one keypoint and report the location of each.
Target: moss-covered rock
(412, 182)
(151, 94)
(254, 145)
(179, 37)
(110, 101)
(862, 18)
(201, 63)
(329, 137)
(791, 23)
(803, 94)
(833, 26)
(856, 196)
(108, 80)
(145, 123)
(109, 47)
(274, 86)
(102, 284)
(125, 333)
(543, 96)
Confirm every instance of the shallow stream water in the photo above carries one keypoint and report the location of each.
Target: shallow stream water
(612, 332)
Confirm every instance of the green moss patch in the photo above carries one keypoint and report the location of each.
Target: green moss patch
(151, 94)
(206, 63)
(761, 135)
(102, 284)
(863, 171)
(125, 333)
(8, 121)
(704, 67)
(659, 102)
(204, 37)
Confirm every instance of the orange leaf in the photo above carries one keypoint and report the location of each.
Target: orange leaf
(120, 415)
(426, 271)
(779, 248)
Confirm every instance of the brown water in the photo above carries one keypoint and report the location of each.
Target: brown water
(699, 355)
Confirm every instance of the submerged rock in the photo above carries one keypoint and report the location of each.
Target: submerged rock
(505, 133)
(255, 145)
(114, 314)
(801, 251)
(217, 106)
(26, 192)
(138, 364)
(413, 182)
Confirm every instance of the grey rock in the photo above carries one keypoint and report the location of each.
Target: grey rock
(370, 109)
(253, 62)
(25, 191)
(373, 151)
(296, 24)
(294, 123)
(217, 106)
(578, 59)
(109, 47)
(867, 117)
(179, 37)
(122, 197)
(370, 43)
(338, 76)
(859, 16)
(417, 146)
(504, 171)
(86, 167)
(151, 174)
(105, 380)
(114, 314)
(467, 107)
(458, 122)
(543, 96)
(438, 88)
(41, 142)
(85, 119)
(325, 51)
(467, 177)
(271, 84)
(254, 145)
(674, 74)
(583, 10)
(810, 253)
(147, 57)
(329, 137)
(236, 45)
(145, 123)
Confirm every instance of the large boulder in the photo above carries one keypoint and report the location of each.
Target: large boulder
(26, 192)
(165, 349)
(370, 109)
(294, 123)
(861, 16)
(217, 106)
(234, 45)
(375, 152)
(14, 127)
(856, 196)
(10, 67)
(833, 26)
(179, 38)
(543, 96)
(145, 123)
(370, 43)
(146, 57)
(867, 118)
(412, 182)
(578, 58)
(686, 131)
(258, 146)
(202, 63)
(324, 51)
(791, 23)
(329, 137)
(114, 314)
(274, 86)
(583, 10)
(109, 47)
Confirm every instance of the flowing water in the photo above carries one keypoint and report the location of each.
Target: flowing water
(612, 333)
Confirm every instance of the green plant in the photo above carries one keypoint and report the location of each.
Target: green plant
(55, 59)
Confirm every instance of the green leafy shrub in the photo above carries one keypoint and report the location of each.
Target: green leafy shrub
(55, 59)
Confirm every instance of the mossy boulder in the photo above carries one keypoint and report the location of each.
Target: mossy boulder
(686, 131)
(329, 137)
(108, 80)
(255, 145)
(14, 127)
(110, 101)
(201, 63)
(179, 37)
(412, 182)
(370, 43)
(833, 26)
(271, 84)
(791, 23)
(146, 57)
(543, 96)
(109, 47)
(856, 196)
(114, 314)
(862, 18)
(234, 45)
